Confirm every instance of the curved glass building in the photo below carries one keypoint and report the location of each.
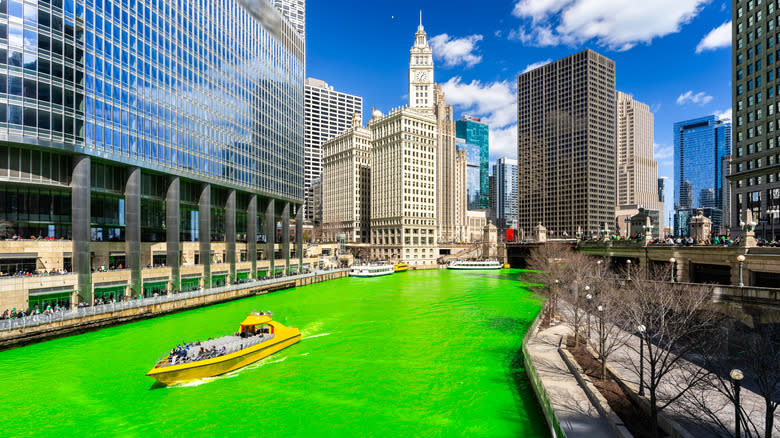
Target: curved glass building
(161, 136)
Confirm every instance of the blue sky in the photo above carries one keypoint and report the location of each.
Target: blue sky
(673, 55)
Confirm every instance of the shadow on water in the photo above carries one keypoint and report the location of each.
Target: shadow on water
(157, 385)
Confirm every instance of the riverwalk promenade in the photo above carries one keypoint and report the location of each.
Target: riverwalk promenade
(36, 328)
(578, 416)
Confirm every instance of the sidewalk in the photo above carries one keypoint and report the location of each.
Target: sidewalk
(623, 360)
(576, 414)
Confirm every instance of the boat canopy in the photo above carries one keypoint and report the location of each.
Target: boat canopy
(254, 319)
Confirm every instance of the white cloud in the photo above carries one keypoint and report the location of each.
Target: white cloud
(700, 98)
(536, 65)
(662, 152)
(717, 38)
(723, 115)
(616, 24)
(456, 51)
(503, 142)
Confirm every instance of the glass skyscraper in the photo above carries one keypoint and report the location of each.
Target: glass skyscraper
(143, 122)
(699, 147)
(505, 173)
(473, 173)
(474, 132)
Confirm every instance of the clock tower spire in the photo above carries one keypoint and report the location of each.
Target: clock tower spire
(421, 71)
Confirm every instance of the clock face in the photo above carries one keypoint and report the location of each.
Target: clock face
(421, 75)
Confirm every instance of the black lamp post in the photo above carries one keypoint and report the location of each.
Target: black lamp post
(628, 267)
(641, 329)
(589, 297)
(601, 332)
(673, 261)
(741, 260)
(736, 379)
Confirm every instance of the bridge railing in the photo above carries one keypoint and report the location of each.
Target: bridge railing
(105, 309)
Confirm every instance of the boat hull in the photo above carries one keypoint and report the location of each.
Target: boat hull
(224, 364)
(379, 274)
(475, 268)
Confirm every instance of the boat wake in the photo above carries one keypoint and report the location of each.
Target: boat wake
(230, 375)
(316, 336)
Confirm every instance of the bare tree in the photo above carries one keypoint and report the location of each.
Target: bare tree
(609, 301)
(549, 260)
(676, 323)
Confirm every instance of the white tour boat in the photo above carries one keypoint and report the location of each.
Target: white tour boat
(371, 270)
(474, 264)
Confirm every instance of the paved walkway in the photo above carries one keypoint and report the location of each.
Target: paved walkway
(625, 361)
(576, 414)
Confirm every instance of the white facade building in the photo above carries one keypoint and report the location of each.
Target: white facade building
(295, 12)
(403, 187)
(328, 113)
(346, 184)
(505, 173)
(421, 72)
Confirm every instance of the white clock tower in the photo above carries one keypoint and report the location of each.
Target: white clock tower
(421, 71)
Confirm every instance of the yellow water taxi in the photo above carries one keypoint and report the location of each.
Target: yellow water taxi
(400, 267)
(259, 336)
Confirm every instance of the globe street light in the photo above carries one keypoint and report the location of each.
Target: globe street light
(641, 329)
(628, 267)
(601, 334)
(673, 262)
(736, 379)
(741, 260)
(587, 293)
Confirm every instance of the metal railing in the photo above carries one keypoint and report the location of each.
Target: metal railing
(80, 312)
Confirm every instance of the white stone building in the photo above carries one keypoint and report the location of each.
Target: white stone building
(295, 12)
(346, 184)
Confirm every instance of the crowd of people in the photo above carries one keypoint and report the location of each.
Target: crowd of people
(44, 309)
(28, 273)
(181, 353)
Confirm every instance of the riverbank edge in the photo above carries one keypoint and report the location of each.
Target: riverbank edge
(536, 383)
(20, 337)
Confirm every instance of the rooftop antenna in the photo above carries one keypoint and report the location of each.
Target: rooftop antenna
(420, 17)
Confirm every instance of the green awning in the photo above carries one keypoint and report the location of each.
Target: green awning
(115, 292)
(188, 284)
(242, 275)
(262, 273)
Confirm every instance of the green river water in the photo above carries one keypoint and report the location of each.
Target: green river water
(425, 353)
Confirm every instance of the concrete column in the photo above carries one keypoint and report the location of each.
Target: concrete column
(133, 230)
(286, 236)
(81, 211)
(172, 231)
(270, 234)
(251, 234)
(204, 233)
(230, 234)
(299, 237)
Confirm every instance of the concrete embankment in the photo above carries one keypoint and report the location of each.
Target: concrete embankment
(19, 336)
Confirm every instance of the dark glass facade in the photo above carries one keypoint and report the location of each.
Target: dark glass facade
(473, 132)
(699, 148)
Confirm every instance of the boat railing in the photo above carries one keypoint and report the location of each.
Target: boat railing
(231, 347)
(110, 308)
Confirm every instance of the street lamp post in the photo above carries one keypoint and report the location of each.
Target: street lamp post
(601, 335)
(641, 329)
(736, 379)
(587, 293)
(628, 267)
(673, 262)
(589, 297)
(741, 260)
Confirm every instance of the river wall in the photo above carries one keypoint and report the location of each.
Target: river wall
(20, 336)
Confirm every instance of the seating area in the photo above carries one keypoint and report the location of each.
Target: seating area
(212, 348)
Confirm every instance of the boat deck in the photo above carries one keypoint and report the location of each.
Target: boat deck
(231, 344)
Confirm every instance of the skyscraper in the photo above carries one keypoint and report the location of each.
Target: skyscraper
(637, 171)
(135, 153)
(566, 145)
(328, 114)
(346, 184)
(449, 193)
(473, 173)
(755, 162)
(505, 174)
(295, 12)
(474, 132)
(699, 148)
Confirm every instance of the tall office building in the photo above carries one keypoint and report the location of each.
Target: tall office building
(474, 132)
(125, 161)
(450, 192)
(295, 12)
(662, 189)
(755, 161)
(699, 148)
(328, 114)
(637, 171)
(473, 173)
(346, 184)
(566, 145)
(403, 187)
(505, 174)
